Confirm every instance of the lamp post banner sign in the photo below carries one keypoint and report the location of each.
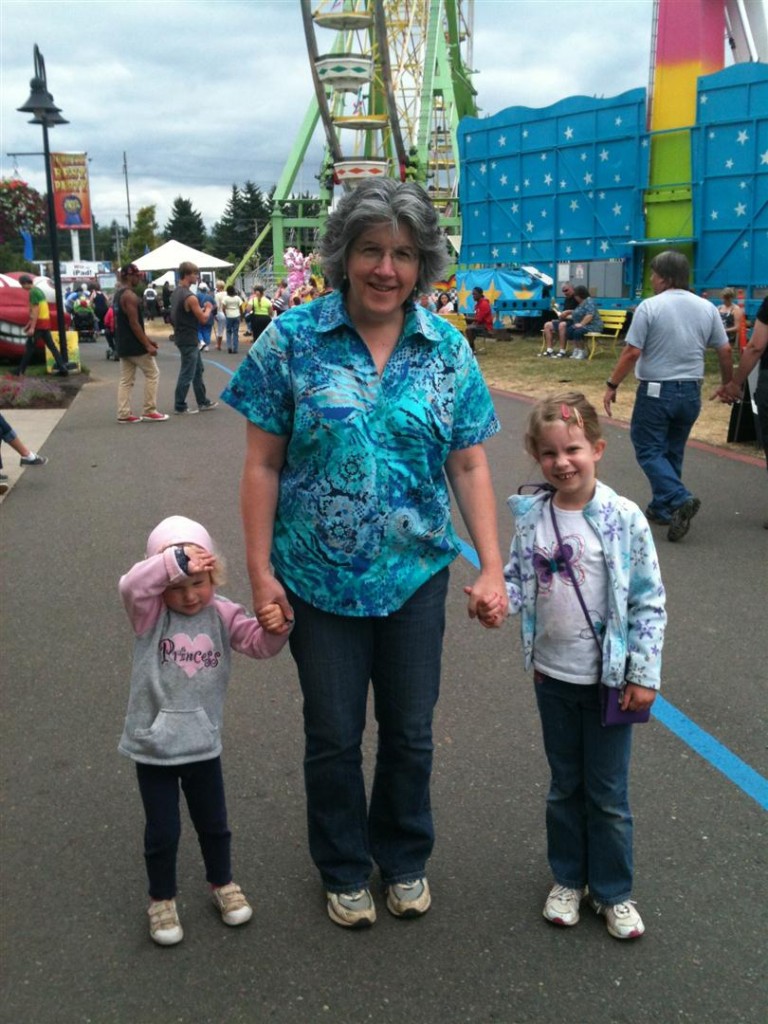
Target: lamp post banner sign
(71, 196)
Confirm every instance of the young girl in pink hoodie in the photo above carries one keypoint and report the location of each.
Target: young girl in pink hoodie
(184, 637)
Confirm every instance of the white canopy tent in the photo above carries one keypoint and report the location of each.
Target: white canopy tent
(169, 255)
(169, 276)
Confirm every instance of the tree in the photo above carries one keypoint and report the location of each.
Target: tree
(186, 225)
(143, 237)
(247, 212)
(107, 240)
(10, 260)
(22, 208)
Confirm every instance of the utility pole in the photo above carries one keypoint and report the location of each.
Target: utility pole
(93, 236)
(127, 193)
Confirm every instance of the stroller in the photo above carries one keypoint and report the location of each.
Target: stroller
(84, 322)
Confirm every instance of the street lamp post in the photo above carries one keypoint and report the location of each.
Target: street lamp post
(45, 112)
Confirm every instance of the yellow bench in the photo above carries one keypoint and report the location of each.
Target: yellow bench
(613, 325)
(459, 321)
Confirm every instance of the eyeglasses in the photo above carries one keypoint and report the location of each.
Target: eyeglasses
(374, 255)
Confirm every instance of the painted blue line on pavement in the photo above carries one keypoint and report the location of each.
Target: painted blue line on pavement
(705, 745)
(720, 757)
(220, 366)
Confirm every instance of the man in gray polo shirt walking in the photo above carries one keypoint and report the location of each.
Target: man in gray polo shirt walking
(666, 343)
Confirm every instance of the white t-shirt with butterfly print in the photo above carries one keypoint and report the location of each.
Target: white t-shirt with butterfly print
(564, 647)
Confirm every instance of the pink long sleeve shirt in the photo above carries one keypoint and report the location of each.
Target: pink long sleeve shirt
(181, 666)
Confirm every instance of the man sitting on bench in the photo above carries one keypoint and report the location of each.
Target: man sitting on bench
(482, 324)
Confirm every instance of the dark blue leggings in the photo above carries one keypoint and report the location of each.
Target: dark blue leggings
(203, 786)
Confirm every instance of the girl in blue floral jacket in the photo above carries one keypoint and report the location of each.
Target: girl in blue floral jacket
(612, 556)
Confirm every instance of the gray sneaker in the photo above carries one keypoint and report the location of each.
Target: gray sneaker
(351, 909)
(409, 899)
(680, 520)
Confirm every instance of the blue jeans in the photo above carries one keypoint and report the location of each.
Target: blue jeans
(190, 372)
(233, 333)
(761, 401)
(337, 657)
(589, 823)
(659, 431)
(203, 786)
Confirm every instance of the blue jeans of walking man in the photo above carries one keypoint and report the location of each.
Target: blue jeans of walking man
(190, 372)
(659, 432)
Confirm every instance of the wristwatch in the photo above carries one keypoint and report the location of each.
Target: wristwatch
(611, 385)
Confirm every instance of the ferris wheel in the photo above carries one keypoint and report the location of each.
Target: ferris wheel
(391, 82)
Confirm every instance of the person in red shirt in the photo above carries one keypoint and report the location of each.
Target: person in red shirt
(483, 321)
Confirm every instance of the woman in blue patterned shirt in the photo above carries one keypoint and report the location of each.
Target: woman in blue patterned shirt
(359, 405)
(583, 319)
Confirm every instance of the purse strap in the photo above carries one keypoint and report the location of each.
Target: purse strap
(572, 575)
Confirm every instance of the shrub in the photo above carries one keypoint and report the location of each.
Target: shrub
(30, 393)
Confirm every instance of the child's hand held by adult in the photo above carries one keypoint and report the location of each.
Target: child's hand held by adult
(273, 620)
(490, 610)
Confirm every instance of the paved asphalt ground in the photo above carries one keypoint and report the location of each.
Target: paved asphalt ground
(75, 946)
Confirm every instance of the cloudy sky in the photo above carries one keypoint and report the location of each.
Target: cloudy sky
(200, 94)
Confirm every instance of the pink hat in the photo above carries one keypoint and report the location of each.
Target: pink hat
(178, 530)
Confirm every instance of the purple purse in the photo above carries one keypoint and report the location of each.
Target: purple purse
(610, 711)
(610, 696)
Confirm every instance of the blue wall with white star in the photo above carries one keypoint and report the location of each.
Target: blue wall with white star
(730, 177)
(567, 183)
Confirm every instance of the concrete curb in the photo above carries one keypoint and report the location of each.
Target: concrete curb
(33, 427)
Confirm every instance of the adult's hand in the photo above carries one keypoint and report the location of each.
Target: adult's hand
(268, 590)
(487, 599)
(470, 478)
(609, 397)
(728, 393)
(629, 356)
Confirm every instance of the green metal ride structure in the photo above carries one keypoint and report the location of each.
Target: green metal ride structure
(392, 81)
